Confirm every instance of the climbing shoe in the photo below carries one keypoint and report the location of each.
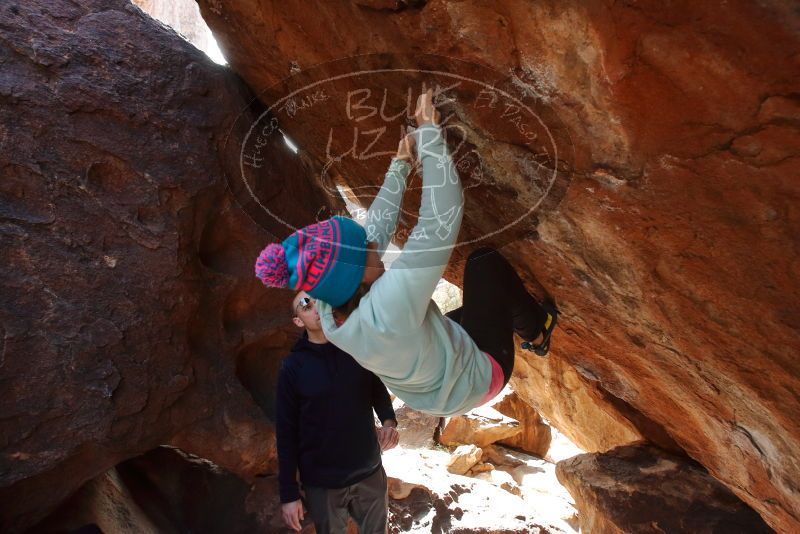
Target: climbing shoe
(542, 348)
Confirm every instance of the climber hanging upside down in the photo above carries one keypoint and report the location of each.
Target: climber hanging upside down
(442, 365)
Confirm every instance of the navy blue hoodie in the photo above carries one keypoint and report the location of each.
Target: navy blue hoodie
(325, 426)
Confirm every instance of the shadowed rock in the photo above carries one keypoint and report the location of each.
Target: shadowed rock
(127, 296)
(638, 489)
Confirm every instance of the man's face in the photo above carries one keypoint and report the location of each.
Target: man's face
(305, 311)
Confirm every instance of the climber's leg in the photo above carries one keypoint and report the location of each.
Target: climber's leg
(455, 314)
(496, 304)
(491, 327)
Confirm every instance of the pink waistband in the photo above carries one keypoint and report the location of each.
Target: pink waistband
(496, 384)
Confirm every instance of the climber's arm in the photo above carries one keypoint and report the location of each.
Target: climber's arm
(410, 283)
(381, 217)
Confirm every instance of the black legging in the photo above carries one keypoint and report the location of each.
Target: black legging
(496, 304)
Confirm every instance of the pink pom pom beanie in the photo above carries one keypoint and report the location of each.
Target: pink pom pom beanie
(326, 260)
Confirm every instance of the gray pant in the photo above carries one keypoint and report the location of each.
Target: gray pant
(366, 501)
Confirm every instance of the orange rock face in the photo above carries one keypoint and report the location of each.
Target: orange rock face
(556, 390)
(534, 436)
(665, 223)
(481, 426)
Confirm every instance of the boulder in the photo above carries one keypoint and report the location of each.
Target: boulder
(480, 467)
(655, 185)
(637, 489)
(398, 489)
(463, 458)
(571, 403)
(103, 504)
(499, 456)
(416, 429)
(481, 426)
(184, 17)
(129, 312)
(534, 436)
(167, 490)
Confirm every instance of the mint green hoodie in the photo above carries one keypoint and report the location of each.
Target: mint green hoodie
(397, 331)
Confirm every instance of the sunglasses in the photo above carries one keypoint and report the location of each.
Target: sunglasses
(304, 304)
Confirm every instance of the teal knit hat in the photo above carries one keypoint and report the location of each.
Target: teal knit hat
(326, 260)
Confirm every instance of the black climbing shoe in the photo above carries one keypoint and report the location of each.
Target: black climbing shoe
(541, 349)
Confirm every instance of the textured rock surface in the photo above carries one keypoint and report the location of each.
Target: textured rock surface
(417, 429)
(571, 403)
(183, 16)
(463, 458)
(481, 426)
(669, 238)
(480, 467)
(637, 489)
(534, 436)
(104, 503)
(128, 307)
(165, 491)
